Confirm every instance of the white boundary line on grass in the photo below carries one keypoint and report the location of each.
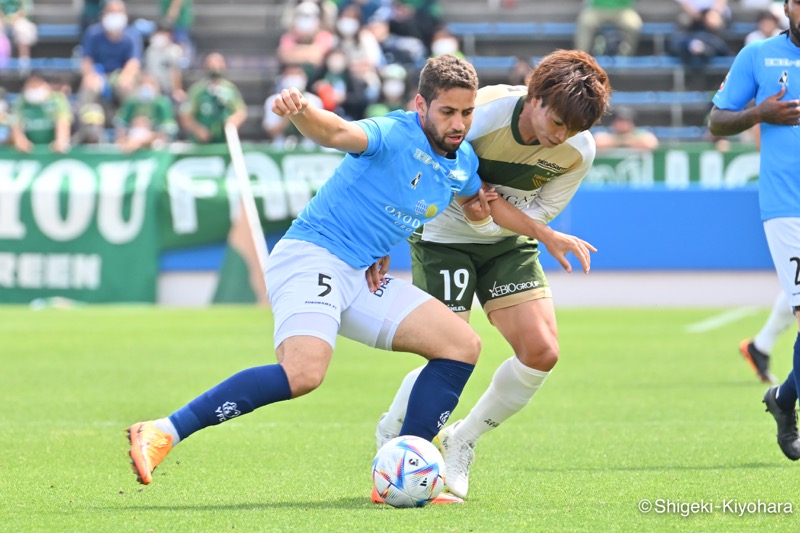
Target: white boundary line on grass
(722, 319)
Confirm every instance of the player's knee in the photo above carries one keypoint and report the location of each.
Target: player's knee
(304, 381)
(542, 356)
(469, 348)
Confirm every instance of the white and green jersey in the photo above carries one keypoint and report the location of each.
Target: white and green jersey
(540, 181)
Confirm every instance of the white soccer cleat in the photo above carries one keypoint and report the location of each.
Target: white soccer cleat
(458, 456)
(382, 436)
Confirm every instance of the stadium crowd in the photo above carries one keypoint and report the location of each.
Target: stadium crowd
(357, 58)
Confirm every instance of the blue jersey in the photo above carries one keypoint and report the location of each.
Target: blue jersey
(378, 198)
(758, 72)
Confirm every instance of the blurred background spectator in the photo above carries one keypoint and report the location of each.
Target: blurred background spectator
(328, 12)
(700, 25)
(91, 128)
(358, 44)
(768, 26)
(41, 116)
(401, 49)
(178, 16)
(306, 43)
(16, 17)
(146, 118)
(518, 73)
(162, 60)
(394, 92)
(90, 14)
(621, 15)
(111, 57)
(280, 131)
(444, 42)
(368, 8)
(5, 123)
(212, 103)
(624, 133)
(5, 46)
(416, 18)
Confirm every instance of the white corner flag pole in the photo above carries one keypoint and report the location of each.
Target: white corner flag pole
(246, 194)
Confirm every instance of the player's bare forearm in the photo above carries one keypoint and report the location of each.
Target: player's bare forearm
(723, 122)
(321, 126)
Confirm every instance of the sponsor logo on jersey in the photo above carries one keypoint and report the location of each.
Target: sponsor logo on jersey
(457, 308)
(784, 79)
(416, 180)
(426, 158)
(722, 85)
(781, 62)
(457, 175)
(403, 220)
(382, 288)
(550, 166)
(511, 288)
(423, 208)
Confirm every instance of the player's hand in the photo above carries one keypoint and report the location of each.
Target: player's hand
(376, 274)
(289, 102)
(773, 110)
(560, 244)
(478, 207)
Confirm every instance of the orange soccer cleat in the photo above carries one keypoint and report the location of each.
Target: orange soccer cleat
(149, 446)
(442, 499)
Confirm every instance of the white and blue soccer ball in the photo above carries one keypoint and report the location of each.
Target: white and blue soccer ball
(408, 471)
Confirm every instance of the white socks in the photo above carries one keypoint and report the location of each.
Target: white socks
(166, 425)
(780, 319)
(397, 411)
(512, 387)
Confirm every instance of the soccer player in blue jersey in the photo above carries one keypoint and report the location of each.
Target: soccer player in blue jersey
(768, 72)
(400, 171)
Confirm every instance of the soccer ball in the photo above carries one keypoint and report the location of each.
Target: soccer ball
(408, 471)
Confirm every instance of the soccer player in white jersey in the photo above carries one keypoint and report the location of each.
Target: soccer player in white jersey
(534, 148)
(400, 171)
(768, 72)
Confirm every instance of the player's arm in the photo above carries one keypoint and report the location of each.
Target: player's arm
(772, 110)
(322, 127)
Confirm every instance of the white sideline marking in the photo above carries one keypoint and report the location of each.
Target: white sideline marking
(722, 319)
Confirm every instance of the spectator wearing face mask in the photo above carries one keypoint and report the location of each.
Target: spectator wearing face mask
(394, 92)
(162, 60)
(281, 131)
(111, 56)
(445, 43)
(328, 12)
(359, 45)
(16, 15)
(178, 17)
(306, 43)
(41, 116)
(404, 50)
(212, 103)
(146, 119)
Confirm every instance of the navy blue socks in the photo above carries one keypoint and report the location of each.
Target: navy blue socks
(434, 396)
(238, 395)
(787, 393)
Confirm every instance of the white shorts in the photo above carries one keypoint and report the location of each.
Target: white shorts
(315, 293)
(783, 238)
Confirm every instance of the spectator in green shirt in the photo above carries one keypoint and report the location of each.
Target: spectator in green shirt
(146, 118)
(178, 15)
(212, 103)
(41, 116)
(16, 15)
(621, 14)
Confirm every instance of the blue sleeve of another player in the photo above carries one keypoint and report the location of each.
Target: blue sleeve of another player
(740, 85)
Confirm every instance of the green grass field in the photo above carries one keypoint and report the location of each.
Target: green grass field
(637, 409)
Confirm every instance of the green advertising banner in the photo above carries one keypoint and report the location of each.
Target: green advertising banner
(90, 225)
(81, 226)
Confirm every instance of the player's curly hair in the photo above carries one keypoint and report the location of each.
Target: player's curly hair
(573, 85)
(445, 72)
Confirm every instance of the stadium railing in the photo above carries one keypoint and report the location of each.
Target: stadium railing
(471, 33)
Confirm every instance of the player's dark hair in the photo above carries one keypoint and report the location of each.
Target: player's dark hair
(445, 72)
(573, 85)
